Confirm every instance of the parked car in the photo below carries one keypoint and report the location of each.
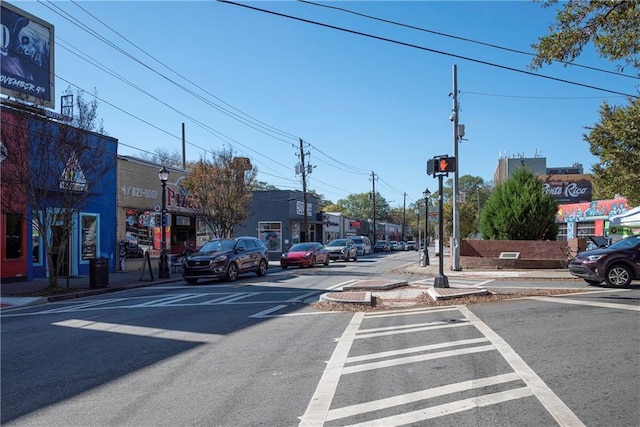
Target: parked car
(363, 244)
(401, 246)
(412, 245)
(616, 265)
(305, 255)
(393, 245)
(226, 259)
(342, 249)
(381, 246)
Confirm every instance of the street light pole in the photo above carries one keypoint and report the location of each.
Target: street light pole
(163, 272)
(425, 256)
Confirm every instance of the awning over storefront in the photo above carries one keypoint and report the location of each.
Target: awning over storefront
(630, 218)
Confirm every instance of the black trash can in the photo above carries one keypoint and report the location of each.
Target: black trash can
(99, 272)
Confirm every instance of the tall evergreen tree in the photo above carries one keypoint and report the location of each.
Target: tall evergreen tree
(518, 209)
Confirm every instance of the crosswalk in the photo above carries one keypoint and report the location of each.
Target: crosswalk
(429, 351)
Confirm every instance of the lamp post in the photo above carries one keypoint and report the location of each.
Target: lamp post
(163, 174)
(425, 257)
(417, 212)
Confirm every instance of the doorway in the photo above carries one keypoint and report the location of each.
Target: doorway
(59, 255)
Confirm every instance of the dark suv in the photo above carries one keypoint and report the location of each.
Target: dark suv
(617, 265)
(226, 259)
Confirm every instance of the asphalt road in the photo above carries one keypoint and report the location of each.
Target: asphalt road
(255, 352)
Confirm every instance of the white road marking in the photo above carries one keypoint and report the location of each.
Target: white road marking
(268, 311)
(448, 408)
(403, 399)
(316, 412)
(556, 407)
(413, 359)
(432, 327)
(81, 306)
(409, 312)
(139, 331)
(341, 285)
(588, 303)
(429, 347)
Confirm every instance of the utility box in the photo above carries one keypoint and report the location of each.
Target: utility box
(99, 272)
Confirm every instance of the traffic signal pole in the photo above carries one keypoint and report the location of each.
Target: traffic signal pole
(455, 250)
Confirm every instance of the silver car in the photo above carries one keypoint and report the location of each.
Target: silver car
(342, 249)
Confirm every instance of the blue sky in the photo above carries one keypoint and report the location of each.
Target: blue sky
(361, 105)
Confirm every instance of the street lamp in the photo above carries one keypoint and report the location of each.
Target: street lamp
(425, 257)
(163, 174)
(417, 212)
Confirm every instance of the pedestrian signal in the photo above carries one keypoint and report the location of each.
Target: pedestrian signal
(439, 165)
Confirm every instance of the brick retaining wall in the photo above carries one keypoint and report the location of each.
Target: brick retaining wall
(484, 254)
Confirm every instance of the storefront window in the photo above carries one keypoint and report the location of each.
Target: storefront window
(36, 243)
(89, 237)
(271, 235)
(140, 224)
(13, 233)
(586, 229)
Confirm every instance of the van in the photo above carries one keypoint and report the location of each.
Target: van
(363, 244)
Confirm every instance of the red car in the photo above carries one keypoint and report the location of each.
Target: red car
(305, 255)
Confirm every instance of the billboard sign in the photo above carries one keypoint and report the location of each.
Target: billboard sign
(568, 188)
(26, 49)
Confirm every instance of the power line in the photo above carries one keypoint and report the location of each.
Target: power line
(504, 67)
(400, 24)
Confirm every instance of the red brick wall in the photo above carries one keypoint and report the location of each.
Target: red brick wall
(533, 253)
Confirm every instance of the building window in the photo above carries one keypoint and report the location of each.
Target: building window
(562, 231)
(271, 235)
(13, 236)
(89, 236)
(36, 243)
(586, 229)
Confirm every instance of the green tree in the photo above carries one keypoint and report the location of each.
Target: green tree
(473, 192)
(360, 206)
(518, 209)
(616, 141)
(262, 186)
(612, 26)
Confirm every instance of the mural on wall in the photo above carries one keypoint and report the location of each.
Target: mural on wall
(589, 211)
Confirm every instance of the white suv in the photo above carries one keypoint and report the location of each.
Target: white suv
(363, 244)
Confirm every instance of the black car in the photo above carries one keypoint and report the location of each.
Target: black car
(226, 259)
(617, 264)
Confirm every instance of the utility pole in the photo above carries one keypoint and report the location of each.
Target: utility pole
(404, 215)
(455, 251)
(184, 148)
(373, 197)
(303, 171)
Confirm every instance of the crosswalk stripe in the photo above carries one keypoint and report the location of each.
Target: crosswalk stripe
(403, 399)
(588, 303)
(432, 327)
(429, 347)
(414, 359)
(448, 408)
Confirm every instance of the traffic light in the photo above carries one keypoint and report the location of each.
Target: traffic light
(439, 165)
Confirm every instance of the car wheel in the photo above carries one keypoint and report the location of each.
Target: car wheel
(313, 262)
(355, 257)
(232, 272)
(618, 275)
(262, 268)
(593, 282)
(191, 281)
(284, 267)
(326, 262)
